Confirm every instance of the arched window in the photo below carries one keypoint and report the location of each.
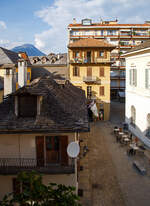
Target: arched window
(148, 126)
(133, 115)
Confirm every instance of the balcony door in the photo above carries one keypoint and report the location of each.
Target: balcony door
(88, 56)
(52, 150)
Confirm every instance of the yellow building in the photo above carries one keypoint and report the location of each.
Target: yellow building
(89, 69)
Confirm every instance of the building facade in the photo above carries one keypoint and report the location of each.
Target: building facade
(123, 36)
(138, 91)
(37, 123)
(15, 68)
(89, 69)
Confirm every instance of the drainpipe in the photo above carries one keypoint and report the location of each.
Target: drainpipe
(76, 169)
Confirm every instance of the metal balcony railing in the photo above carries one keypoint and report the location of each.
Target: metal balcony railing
(15, 165)
(90, 79)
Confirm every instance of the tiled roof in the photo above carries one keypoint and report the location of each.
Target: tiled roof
(90, 42)
(51, 59)
(144, 45)
(63, 109)
(8, 57)
(107, 25)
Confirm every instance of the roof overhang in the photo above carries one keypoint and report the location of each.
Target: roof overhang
(135, 52)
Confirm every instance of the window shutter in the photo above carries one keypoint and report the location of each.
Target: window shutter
(101, 91)
(146, 78)
(16, 186)
(105, 54)
(130, 76)
(135, 77)
(101, 71)
(78, 69)
(63, 150)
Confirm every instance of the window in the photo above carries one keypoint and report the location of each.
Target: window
(147, 78)
(28, 76)
(148, 126)
(133, 77)
(101, 72)
(76, 71)
(51, 150)
(133, 116)
(101, 54)
(27, 106)
(101, 91)
(17, 77)
(89, 92)
(76, 54)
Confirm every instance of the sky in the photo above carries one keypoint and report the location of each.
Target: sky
(43, 23)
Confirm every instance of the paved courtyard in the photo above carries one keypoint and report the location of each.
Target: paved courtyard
(109, 175)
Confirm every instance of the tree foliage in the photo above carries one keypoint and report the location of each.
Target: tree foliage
(34, 193)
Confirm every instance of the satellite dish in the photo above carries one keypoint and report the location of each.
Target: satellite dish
(73, 149)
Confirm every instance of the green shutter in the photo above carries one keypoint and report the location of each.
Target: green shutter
(146, 78)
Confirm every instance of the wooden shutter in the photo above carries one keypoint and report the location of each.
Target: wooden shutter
(146, 78)
(63, 150)
(101, 91)
(105, 54)
(101, 71)
(89, 71)
(78, 71)
(40, 150)
(16, 186)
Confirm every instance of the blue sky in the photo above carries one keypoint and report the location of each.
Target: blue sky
(44, 22)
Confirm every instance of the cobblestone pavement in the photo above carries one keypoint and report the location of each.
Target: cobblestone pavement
(108, 177)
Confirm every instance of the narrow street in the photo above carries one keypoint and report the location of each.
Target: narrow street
(112, 179)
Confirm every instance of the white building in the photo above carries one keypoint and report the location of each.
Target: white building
(138, 91)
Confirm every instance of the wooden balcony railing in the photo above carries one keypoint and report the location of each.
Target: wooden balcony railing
(15, 165)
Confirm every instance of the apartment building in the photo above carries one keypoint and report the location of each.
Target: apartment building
(123, 36)
(138, 91)
(89, 69)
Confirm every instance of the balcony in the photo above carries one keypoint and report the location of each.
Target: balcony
(15, 165)
(91, 79)
(88, 60)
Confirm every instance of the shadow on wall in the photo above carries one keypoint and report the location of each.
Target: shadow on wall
(56, 73)
(144, 136)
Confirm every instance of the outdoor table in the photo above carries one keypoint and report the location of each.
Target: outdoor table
(133, 149)
(116, 130)
(126, 140)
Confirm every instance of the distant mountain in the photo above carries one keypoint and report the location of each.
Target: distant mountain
(29, 49)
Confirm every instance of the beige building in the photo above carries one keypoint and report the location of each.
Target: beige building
(123, 36)
(37, 123)
(89, 69)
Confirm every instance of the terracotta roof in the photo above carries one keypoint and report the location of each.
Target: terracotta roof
(144, 45)
(63, 109)
(90, 42)
(106, 25)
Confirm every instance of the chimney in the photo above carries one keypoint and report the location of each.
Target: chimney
(74, 21)
(22, 73)
(9, 80)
